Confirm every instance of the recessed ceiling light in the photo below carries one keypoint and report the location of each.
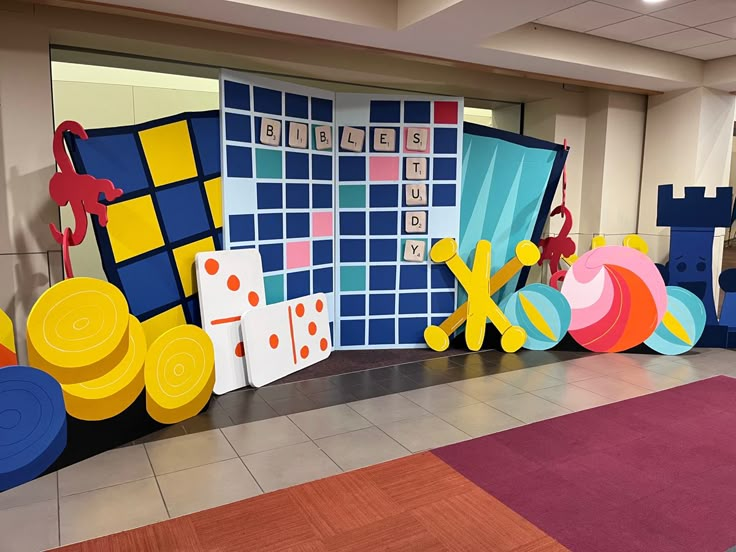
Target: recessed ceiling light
(654, 1)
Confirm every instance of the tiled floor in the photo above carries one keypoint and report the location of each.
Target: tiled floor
(243, 446)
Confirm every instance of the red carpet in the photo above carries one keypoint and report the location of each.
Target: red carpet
(655, 473)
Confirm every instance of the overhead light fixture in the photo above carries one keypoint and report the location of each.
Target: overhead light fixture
(653, 1)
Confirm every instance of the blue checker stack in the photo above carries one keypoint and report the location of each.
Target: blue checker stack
(384, 300)
(279, 198)
(169, 171)
(32, 424)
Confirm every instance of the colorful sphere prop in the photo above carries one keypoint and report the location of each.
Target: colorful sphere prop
(682, 325)
(617, 297)
(542, 311)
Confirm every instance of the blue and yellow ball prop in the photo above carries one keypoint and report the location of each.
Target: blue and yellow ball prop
(32, 424)
(681, 326)
(542, 311)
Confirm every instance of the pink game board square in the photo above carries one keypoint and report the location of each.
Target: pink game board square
(384, 168)
(406, 139)
(321, 225)
(297, 254)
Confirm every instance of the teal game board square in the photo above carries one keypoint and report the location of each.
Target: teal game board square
(352, 196)
(352, 278)
(268, 163)
(274, 286)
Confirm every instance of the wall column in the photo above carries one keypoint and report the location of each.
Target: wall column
(29, 258)
(689, 137)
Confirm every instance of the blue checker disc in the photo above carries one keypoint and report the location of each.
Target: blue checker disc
(32, 424)
(383, 111)
(237, 96)
(266, 100)
(102, 156)
(297, 106)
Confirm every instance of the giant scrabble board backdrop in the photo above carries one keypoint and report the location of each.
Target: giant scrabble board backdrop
(278, 181)
(345, 194)
(398, 193)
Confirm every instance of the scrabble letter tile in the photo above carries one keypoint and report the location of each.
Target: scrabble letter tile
(414, 251)
(416, 194)
(352, 139)
(384, 139)
(270, 132)
(416, 222)
(416, 139)
(323, 137)
(416, 168)
(298, 135)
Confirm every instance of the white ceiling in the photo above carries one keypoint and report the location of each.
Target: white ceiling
(703, 29)
(655, 46)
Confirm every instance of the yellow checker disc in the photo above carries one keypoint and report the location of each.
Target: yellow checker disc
(78, 330)
(179, 374)
(108, 396)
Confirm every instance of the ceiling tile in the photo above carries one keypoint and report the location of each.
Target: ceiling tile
(587, 16)
(638, 28)
(712, 51)
(727, 27)
(644, 7)
(680, 40)
(699, 12)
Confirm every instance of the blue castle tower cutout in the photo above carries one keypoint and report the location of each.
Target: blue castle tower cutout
(693, 220)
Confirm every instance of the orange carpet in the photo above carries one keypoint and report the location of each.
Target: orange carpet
(417, 503)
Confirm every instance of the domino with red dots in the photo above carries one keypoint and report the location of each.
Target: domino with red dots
(230, 283)
(283, 338)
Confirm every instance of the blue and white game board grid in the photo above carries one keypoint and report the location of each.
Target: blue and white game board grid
(278, 199)
(384, 301)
